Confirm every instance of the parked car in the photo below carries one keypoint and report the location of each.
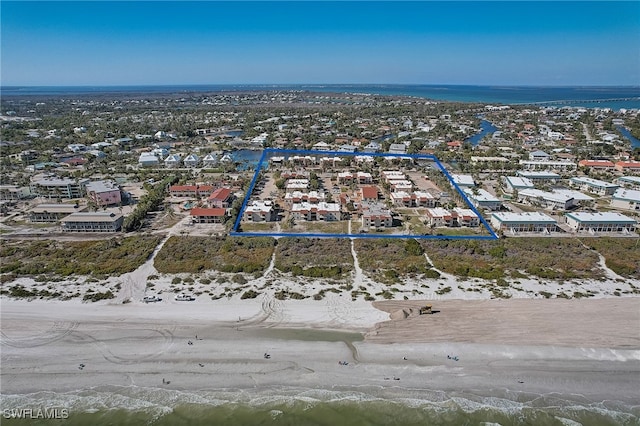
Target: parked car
(184, 297)
(150, 299)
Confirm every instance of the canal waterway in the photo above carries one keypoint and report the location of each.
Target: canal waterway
(486, 128)
(635, 143)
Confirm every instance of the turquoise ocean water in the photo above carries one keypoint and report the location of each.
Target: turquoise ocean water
(589, 96)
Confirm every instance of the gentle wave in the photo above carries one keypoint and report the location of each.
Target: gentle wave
(374, 406)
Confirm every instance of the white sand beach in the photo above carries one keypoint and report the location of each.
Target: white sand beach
(586, 348)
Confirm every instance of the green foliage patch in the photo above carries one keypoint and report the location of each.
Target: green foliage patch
(622, 255)
(114, 256)
(390, 260)
(225, 254)
(314, 257)
(552, 258)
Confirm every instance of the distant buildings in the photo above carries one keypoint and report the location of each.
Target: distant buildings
(56, 188)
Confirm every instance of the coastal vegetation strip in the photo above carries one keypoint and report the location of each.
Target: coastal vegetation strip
(224, 254)
(326, 258)
(115, 256)
(551, 258)
(622, 255)
(388, 260)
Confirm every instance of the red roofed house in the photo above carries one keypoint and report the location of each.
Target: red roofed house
(628, 166)
(221, 198)
(596, 164)
(204, 215)
(369, 193)
(454, 145)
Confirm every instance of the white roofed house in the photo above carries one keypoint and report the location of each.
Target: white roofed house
(322, 211)
(173, 161)
(364, 178)
(539, 176)
(375, 215)
(210, 160)
(563, 166)
(297, 184)
(56, 187)
(627, 199)
(523, 222)
(345, 178)
(439, 216)
(539, 156)
(148, 159)
(632, 182)
(260, 211)
(397, 148)
(92, 222)
(401, 185)
(600, 222)
(191, 161)
(53, 212)
(465, 217)
(415, 199)
(516, 183)
(295, 197)
(593, 185)
(481, 198)
(463, 181)
(553, 200)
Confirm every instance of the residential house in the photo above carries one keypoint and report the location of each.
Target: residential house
(539, 176)
(465, 217)
(297, 184)
(600, 222)
(628, 166)
(414, 199)
(480, 198)
(523, 222)
(92, 222)
(172, 161)
(55, 187)
(260, 211)
(208, 215)
(397, 148)
(322, 211)
(375, 215)
(463, 181)
(369, 193)
(516, 183)
(552, 200)
(148, 159)
(52, 212)
(192, 161)
(193, 191)
(627, 199)
(439, 216)
(221, 198)
(364, 178)
(373, 147)
(296, 197)
(104, 193)
(345, 178)
(632, 182)
(13, 192)
(597, 164)
(539, 156)
(564, 166)
(594, 186)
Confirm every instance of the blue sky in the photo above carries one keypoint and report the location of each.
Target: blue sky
(455, 42)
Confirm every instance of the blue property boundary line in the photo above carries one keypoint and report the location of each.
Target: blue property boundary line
(270, 152)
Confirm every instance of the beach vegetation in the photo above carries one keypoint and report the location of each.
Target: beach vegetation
(390, 261)
(114, 256)
(559, 258)
(249, 294)
(621, 255)
(225, 254)
(315, 258)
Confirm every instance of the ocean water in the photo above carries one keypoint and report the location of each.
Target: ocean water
(302, 407)
(589, 96)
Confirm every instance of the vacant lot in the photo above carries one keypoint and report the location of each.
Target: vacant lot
(225, 254)
(314, 257)
(553, 258)
(114, 256)
(622, 255)
(387, 260)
